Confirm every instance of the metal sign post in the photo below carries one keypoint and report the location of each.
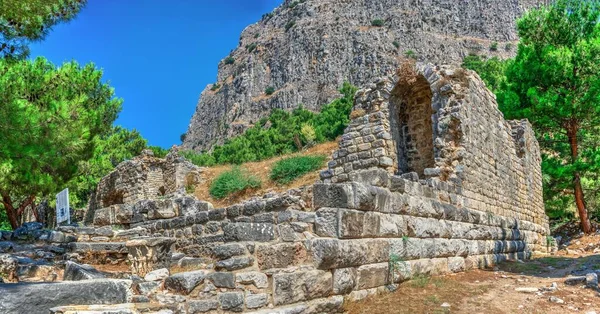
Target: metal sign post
(63, 212)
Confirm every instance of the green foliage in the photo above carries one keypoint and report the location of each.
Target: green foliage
(377, 22)
(492, 71)
(289, 169)
(158, 151)
(4, 224)
(508, 47)
(49, 121)
(396, 44)
(109, 150)
(251, 47)
(289, 25)
(182, 137)
(229, 60)
(277, 134)
(215, 87)
(494, 46)
(22, 22)
(554, 83)
(257, 35)
(232, 181)
(269, 90)
(410, 54)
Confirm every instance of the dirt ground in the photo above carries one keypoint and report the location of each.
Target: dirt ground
(495, 290)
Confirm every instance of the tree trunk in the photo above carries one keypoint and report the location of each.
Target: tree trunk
(10, 211)
(586, 226)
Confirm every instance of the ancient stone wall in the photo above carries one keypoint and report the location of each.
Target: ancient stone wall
(144, 177)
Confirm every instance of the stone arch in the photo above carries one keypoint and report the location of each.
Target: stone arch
(411, 122)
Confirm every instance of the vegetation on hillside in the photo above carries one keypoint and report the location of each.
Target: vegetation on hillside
(232, 181)
(282, 133)
(288, 169)
(554, 82)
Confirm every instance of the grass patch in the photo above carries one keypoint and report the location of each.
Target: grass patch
(377, 22)
(291, 168)
(270, 90)
(232, 181)
(420, 281)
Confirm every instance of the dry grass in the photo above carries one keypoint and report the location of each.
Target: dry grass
(261, 169)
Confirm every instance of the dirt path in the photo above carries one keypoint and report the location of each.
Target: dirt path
(496, 290)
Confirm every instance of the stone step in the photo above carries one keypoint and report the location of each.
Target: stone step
(125, 308)
(98, 247)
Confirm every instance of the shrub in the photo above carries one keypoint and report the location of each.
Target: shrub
(494, 46)
(215, 87)
(309, 134)
(158, 151)
(289, 25)
(377, 22)
(396, 44)
(251, 47)
(269, 90)
(232, 181)
(410, 54)
(202, 159)
(508, 47)
(291, 168)
(256, 35)
(229, 60)
(182, 137)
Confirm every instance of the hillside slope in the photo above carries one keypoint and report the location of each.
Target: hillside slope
(305, 50)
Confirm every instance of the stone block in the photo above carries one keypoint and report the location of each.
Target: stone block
(333, 195)
(184, 283)
(258, 279)
(334, 253)
(235, 263)
(76, 272)
(427, 227)
(162, 209)
(301, 286)
(231, 301)
(344, 280)
(222, 279)
(202, 306)
(241, 231)
(456, 264)
(229, 250)
(254, 301)
(148, 254)
(351, 223)
(280, 255)
(326, 222)
(157, 275)
(373, 275)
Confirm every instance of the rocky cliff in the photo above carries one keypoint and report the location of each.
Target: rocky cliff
(305, 49)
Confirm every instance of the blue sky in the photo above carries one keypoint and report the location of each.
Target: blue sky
(157, 54)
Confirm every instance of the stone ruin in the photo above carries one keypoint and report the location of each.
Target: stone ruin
(429, 179)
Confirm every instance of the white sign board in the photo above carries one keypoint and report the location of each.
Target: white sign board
(62, 207)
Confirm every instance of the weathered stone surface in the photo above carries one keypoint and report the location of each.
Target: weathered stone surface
(242, 231)
(226, 251)
(148, 287)
(97, 247)
(8, 268)
(326, 222)
(235, 263)
(258, 279)
(373, 275)
(202, 306)
(148, 254)
(301, 286)
(254, 301)
(157, 275)
(232, 301)
(333, 253)
(591, 280)
(185, 282)
(280, 255)
(222, 279)
(344, 280)
(17, 298)
(74, 272)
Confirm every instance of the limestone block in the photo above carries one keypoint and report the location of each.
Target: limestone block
(301, 286)
(344, 280)
(241, 231)
(254, 301)
(148, 254)
(75, 272)
(202, 306)
(333, 195)
(229, 250)
(235, 263)
(351, 223)
(333, 253)
(326, 222)
(258, 279)
(185, 282)
(222, 279)
(373, 275)
(280, 255)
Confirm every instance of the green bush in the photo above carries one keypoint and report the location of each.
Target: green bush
(289, 25)
(289, 169)
(159, 151)
(229, 60)
(410, 54)
(251, 47)
(215, 87)
(261, 142)
(377, 22)
(269, 90)
(494, 46)
(257, 35)
(396, 44)
(232, 181)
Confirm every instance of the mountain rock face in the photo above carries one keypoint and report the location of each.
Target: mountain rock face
(304, 50)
